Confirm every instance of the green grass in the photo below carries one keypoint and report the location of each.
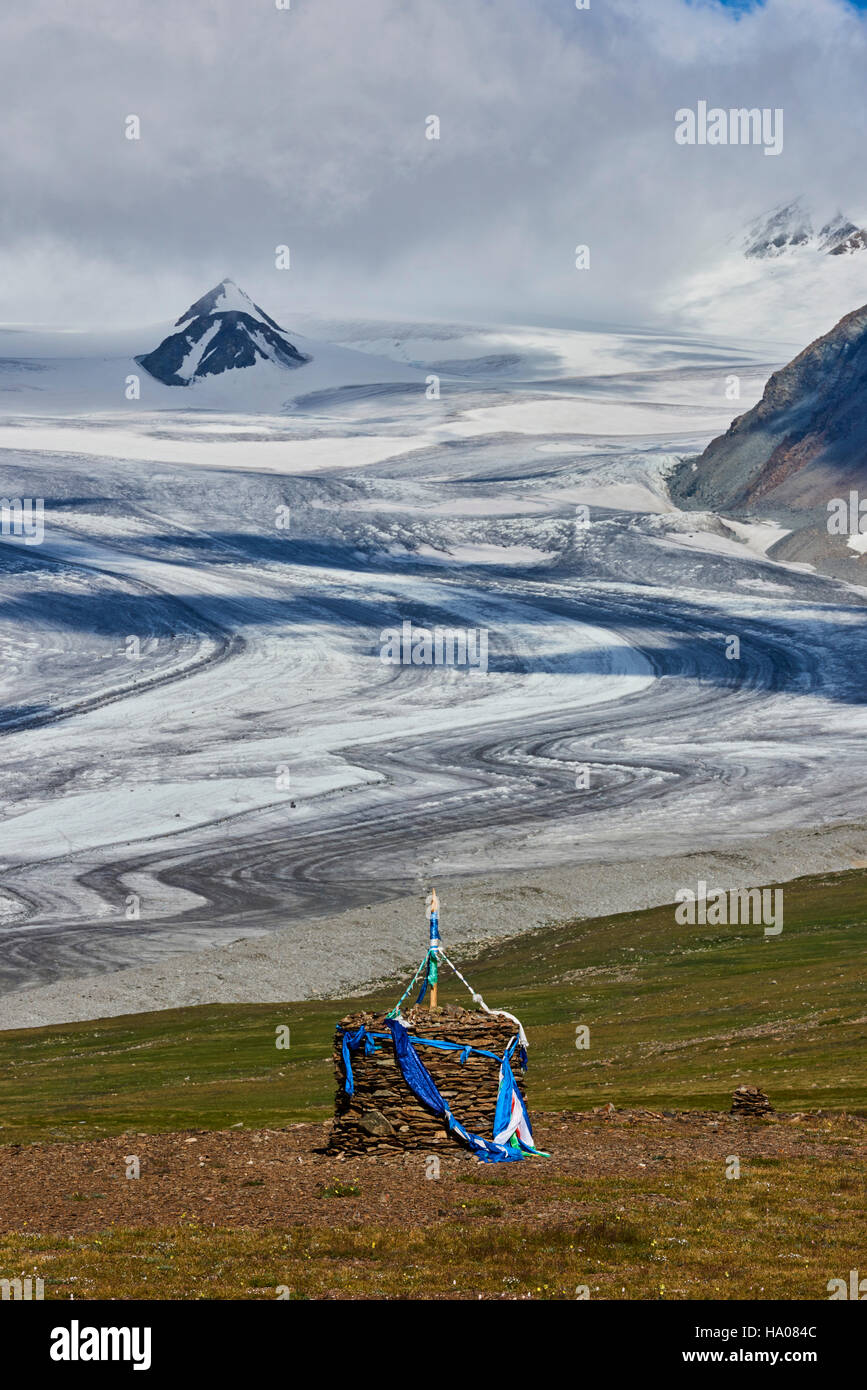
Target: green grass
(678, 1017)
(782, 1231)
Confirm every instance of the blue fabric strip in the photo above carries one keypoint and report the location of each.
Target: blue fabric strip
(351, 1043)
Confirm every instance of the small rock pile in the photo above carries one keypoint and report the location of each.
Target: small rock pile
(749, 1100)
(383, 1115)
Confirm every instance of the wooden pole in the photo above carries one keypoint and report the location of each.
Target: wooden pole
(434, 919)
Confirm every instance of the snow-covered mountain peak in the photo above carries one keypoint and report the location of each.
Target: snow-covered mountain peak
(223, 331)
(225, 298)
(780, 279)
(792, 228)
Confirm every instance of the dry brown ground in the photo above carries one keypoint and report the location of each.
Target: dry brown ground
(280, 1178)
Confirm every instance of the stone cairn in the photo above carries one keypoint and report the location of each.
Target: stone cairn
(750, 1101)
(383, 1115)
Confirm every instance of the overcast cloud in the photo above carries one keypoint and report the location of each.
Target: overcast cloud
(307, 127)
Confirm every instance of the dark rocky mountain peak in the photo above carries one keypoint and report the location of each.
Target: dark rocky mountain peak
(223, 331)
(806, 438)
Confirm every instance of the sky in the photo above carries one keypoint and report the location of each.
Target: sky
(753, 4)
(306, 127)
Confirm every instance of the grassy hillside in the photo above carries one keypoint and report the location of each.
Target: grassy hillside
(678, 1017)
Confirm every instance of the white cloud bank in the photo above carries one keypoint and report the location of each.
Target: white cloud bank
(306, 127)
